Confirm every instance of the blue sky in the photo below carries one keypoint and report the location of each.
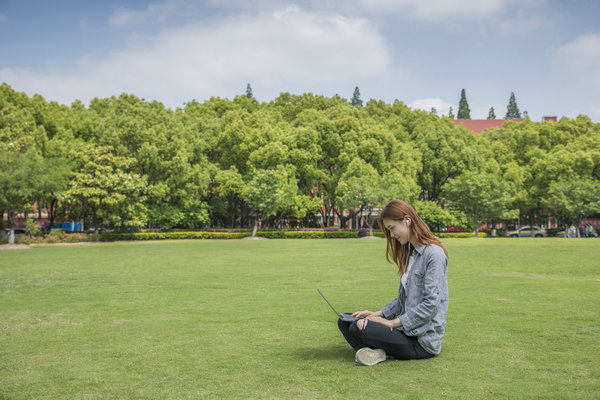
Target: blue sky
(419, 52)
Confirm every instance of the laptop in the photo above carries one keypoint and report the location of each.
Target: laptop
(347, 317)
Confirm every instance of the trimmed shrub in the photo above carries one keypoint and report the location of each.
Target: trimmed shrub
(112, 236)
(275, 234)
(455, 235)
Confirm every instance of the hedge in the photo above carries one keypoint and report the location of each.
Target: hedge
(309, 234)
(112, 236)
(453, 235)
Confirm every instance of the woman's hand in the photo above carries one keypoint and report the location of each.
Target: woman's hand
(367, 313)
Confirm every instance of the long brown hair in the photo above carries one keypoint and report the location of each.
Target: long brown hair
(398, 210)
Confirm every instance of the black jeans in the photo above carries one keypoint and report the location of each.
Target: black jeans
(377, 336)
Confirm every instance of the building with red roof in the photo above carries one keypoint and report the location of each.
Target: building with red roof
(478, 125)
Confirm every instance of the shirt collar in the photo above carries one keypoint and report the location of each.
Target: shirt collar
(419, 249)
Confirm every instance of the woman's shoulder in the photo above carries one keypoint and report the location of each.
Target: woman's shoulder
(433, 250)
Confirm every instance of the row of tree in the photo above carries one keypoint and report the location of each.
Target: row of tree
(464, 112)
(125, 163)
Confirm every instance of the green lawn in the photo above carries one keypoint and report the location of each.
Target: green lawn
(242, 319)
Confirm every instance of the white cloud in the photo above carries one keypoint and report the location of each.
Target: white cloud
(582, 58)
(436, 9)
(521, 24)
(154, 12)
(275, 51)
(442, 107)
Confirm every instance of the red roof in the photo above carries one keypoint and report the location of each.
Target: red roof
(477, 125)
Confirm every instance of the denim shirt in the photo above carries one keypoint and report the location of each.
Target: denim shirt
(423, 305)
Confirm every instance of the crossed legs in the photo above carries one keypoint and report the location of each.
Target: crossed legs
(364, 333)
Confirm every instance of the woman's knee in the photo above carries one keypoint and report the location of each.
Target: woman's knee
(358, 326)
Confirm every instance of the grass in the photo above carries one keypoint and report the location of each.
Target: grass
(241, 319)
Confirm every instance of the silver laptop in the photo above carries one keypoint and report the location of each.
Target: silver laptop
(347, 317)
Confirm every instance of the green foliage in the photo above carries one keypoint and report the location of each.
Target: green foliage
(110, 236)
(105, 189)
(32, 228)
(123, 162)
(491, 114)
(459, 235)
(481, 195)
(59, 237)
(308, 234)
(436, 217)
(573, 199)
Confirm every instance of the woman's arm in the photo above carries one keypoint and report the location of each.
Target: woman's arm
(434, 281)
(390, 323)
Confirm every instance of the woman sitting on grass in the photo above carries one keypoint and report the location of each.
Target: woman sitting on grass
(412, 325)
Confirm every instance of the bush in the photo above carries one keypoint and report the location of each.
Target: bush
(112, 236)
(313, 234)
(60, 237)
(33, 229)
(454, 235)
(275, 234)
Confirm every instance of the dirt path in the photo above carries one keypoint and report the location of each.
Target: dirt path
(13, 246)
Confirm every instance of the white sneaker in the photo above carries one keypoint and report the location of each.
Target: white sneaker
(368, 356)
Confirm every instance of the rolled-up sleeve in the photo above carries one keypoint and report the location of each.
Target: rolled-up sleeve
(391, 309)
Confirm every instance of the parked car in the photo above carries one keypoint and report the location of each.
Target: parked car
(527, 231)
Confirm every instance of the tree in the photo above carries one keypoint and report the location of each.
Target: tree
(437, 217)
(512, 110)
(229, 186)
(574, 199)
(491, 114)
(269, 192)
(356, 101)
(358, 190)
(451, 113)
(18, 174)
(249, 92)
(481, 195)
(463, 107)
(104, 190)
(52, 181)
(445, 152)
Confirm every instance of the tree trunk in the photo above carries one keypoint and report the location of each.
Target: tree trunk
(96, 229)
(256, 222)
(11, 225)
(476, 225)
(52, 212)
